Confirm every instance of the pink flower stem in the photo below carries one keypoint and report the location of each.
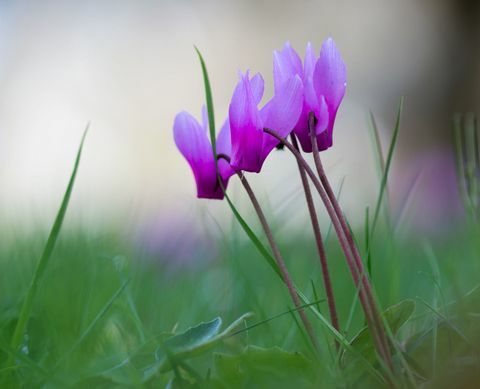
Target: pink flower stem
(356, 255)
(280, 262)
(343, 243)
(278, 258)
(318, 238)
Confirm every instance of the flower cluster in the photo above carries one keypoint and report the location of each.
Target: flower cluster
(317, 86)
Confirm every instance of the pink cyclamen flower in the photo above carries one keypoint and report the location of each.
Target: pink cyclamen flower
(250, 145)
(324, 81)
(193, 141)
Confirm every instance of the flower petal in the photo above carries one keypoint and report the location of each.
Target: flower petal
(246, 128)
(257, 84)
(330, 81)
(322, 116)
(205, 123)
(330, 78)
(282, 112)
(286, 64)
(309, 62)
(192, 141)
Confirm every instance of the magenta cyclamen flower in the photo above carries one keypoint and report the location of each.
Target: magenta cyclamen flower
(193, 142)
(250, 145)
(324, 81)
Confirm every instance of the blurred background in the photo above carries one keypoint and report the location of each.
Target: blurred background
(128, 67)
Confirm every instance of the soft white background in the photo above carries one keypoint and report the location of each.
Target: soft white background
(129, 66)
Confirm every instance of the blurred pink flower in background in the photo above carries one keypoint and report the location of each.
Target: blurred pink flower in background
(434, 204)
(173, 243)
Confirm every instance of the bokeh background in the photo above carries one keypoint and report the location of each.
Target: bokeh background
(128, 67)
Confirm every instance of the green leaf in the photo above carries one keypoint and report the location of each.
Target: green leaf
(157, 355)
(197, 340)
(363, 349)
(260, 367)
(395, 316)
(193, 338)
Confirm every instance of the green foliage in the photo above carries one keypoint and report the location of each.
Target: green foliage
(395, 316)
(260, 367)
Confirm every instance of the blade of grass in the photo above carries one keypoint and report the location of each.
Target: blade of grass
(377, 142)
(267, 320)
(26, 308)
(460, 159)
(302, 332)
(380, 161)
(388, 163)
(449, 323)
(406, 202)
(367, 242)
(209, 102)
(471, 153)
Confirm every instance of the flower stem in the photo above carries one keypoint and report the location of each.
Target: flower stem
(345, 248)
(356, 255)
(318, 238)
(280, 262)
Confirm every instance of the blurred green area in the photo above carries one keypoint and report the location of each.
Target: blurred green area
(103, 297)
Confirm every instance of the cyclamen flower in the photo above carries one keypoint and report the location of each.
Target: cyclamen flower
(193, 142)
(324, 81)
(250, 145)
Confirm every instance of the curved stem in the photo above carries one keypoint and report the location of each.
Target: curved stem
(318, 238)
(280, 261)
(348, 235)
(344, 245)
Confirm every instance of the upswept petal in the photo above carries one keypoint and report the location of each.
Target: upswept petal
(330, 76)
(282, 112)
(309, 62)
(246, 128)
(257, 84)
(192, 141)
(286, 64)
(324, 127)
(322, 116)
(310, 96)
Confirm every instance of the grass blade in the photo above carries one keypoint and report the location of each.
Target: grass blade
(380, 161)
(26, 308)
(388, 163)
(209, 102)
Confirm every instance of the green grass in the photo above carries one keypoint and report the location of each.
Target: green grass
(102, 298)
